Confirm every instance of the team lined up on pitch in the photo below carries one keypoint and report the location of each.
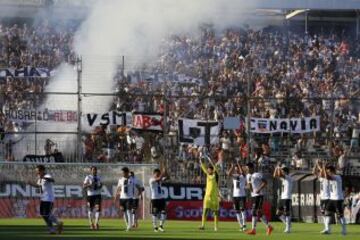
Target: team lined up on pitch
(245, 178)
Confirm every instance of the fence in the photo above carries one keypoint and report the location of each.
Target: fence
(72, 123)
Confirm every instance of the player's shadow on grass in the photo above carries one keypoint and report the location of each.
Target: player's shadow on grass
(71, 233)
(12, 228)
(75, 232)
(11, 232)
(40, 229)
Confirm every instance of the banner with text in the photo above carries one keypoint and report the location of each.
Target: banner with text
(136, 120)
(34, 115)
(52, 158)
(147, 121)
(25, 72)
(289, 125)
(192, 211)
(198, 132)
(19, 198)
(112, 118)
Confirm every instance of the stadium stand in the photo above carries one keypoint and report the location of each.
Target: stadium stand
(281, 73)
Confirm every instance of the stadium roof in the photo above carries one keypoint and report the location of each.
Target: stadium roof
(264, 4)
(70, 9)
(310, 4)
(276, 9)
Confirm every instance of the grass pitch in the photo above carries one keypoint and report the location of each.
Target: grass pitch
(114, 229)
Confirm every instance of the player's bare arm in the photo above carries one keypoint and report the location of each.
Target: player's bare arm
(250, 186)
(230, 171)
(118, 190)
(162, 175)
(322, 171)
(275, 174)
(241, 169)
(221, 197)
(315, 170)
(278, 173)
(33, 184)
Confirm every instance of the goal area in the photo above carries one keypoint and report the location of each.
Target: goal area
(20, 199)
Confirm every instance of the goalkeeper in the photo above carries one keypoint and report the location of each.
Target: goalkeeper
(212, 194)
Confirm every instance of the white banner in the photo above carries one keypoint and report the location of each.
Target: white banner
(290, 125)
(39, 115)
(92, 120)
(198, 132)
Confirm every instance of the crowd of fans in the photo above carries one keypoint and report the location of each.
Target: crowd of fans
(42, 45)
(213, 75)
(210, 75)
(39, 45)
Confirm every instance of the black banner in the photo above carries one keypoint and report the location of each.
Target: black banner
(52, 158)
(308, 199)
(297, 197)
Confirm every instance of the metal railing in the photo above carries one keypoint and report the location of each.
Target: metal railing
(33, 136)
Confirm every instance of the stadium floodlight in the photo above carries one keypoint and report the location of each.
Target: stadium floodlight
(295, 12)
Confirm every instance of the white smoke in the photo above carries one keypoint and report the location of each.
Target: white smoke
(133, 28)
(60, 95)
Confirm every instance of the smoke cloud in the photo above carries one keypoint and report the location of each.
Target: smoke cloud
(135, 28)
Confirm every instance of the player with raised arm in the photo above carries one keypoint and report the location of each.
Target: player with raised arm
(257, 184)
(237, 174)
(139, 189)
(336, 203)
(212, 193)
(284, 205)
(126, 189)
(320, 173)
(45, 182)
(158, 203)
(93, 185)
